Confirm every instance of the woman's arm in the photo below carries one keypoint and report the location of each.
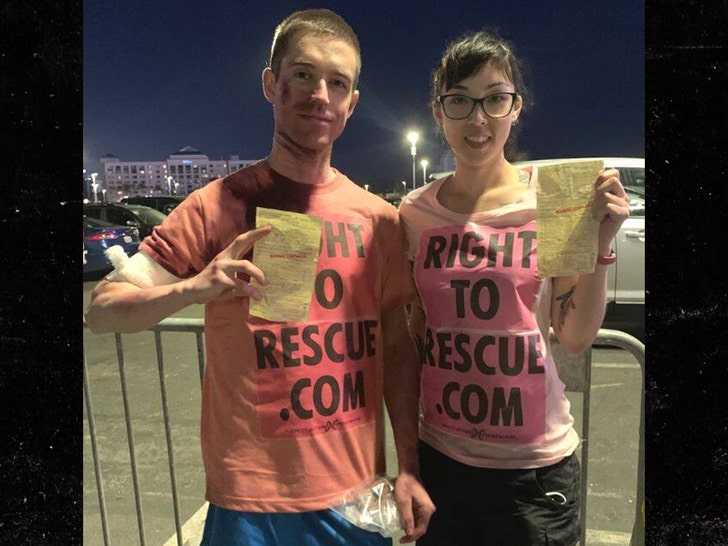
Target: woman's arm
(578, 302)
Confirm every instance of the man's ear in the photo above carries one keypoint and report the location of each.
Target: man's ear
(353, 103)
(269, 85)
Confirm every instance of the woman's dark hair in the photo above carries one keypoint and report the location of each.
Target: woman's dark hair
(467, 54)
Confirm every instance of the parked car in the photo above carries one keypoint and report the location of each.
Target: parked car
(626, 277)
(98, 236)
(140, 216)
(163, 203)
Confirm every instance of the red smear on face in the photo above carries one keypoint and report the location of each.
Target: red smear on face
(285, 92)
(282, 137)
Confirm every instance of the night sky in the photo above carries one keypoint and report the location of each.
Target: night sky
(162, 75)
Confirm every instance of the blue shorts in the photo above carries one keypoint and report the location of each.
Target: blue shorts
(323, 528)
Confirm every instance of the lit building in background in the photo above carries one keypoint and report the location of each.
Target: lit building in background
(180, 174)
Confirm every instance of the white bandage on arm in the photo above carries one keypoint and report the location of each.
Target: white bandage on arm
(139, 270)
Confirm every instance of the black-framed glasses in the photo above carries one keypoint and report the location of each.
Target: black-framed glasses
(497, 105)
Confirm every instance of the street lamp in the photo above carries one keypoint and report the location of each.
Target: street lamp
(94, 186)
(86, 188)
(366, 187)
(176, 185)
(404, 187)
(169, 184)
(424, 164)
(412, 136)
(103, 193)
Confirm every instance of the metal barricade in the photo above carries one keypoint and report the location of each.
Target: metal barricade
(616, 338)
(195, 326)
(574, 370)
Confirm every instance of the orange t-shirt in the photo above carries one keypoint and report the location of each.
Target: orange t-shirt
(292, 412)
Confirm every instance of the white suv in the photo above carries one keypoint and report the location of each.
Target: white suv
(626, 277)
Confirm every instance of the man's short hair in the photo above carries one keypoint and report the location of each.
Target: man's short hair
(312, 21)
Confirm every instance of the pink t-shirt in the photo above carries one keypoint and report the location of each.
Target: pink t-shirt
(292, 412)
(490, 393)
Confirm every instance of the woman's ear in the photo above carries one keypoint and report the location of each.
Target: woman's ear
(516, 110)
(437, 112)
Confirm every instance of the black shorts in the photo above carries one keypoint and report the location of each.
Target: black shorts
(493, 507)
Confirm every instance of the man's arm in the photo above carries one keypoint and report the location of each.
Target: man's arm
(401, 394)
(120, 306)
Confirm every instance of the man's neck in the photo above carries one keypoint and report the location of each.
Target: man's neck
(309, 169)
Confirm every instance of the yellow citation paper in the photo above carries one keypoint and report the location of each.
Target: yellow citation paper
(567, 231)
(288, 256)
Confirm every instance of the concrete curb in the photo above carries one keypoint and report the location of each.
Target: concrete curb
(192, 529)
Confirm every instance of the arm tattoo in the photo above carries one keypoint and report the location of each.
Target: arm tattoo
(567, 303)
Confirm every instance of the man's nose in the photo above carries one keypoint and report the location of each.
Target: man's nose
(320, 92)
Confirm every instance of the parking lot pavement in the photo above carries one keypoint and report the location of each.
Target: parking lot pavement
(613, 440)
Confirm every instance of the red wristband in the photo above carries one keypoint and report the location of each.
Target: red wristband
(606, 260)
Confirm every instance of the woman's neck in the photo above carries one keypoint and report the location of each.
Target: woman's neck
(472, 190)
(475, 180)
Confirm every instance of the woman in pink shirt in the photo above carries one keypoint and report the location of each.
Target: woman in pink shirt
(496, 436)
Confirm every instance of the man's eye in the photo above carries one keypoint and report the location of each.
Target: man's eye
(301, 75)
(340, 83)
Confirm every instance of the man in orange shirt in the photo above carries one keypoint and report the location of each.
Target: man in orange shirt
(291, 411)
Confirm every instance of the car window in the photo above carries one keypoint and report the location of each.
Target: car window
(96, 223)
(633, 180)
(118, 216)
(149, 215)
(92, 212)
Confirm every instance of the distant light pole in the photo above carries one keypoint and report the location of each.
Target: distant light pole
(424, 164)
(86, 189)
(94, 186)
(366, 187)
(103, 193)
(412, 136)
(169, 184)
(404, 187)
(176, 185)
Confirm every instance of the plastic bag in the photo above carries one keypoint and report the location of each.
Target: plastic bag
(371, 506)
